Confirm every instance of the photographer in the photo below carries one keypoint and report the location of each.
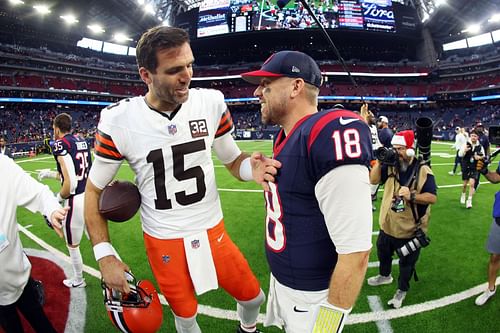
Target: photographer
(493, 244)
(404, 214)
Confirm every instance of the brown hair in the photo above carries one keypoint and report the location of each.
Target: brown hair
(63, 122)
(155, 39)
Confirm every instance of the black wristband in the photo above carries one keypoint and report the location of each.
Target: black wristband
(413, 197)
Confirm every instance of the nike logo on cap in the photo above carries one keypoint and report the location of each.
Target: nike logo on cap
(344, 122)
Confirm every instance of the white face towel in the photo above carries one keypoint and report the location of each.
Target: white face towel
(272, 312)
(200, 262)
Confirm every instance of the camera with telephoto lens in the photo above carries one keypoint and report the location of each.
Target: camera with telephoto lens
(420, 240)
(388, 156)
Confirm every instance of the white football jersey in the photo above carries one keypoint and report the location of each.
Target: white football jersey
(171, 159)
(375, 140)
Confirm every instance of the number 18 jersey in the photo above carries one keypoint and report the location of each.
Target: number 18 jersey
(299, 249)
(171, 157)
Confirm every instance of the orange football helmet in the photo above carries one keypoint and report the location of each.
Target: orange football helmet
(140, 311)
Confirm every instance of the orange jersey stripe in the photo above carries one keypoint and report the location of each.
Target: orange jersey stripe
(105, 140)
(221, 131)
(107, 153)
(225, 124)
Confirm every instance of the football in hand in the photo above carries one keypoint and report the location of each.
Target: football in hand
(119, 201)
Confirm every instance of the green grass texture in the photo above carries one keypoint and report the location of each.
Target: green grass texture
(455, 262)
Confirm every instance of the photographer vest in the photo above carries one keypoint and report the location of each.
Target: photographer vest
(403, 224)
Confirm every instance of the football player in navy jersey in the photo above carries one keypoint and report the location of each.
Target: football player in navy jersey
(319, 217)
(73, 160)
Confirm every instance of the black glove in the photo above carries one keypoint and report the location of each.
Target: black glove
(482, 166)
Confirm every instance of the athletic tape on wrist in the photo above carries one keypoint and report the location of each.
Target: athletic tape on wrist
(103, 249)
(246, 170)
(329, 318)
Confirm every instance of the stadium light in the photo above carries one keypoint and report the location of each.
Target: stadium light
(438, 3)
(149, 9)
(42, 9)
(473, 28)
(494, 18)
(96, 28)
(120, 37)
(16, 2)
(140, 2)
(69, 18)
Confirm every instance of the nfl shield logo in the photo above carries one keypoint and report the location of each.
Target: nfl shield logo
(165, 259)
(195, 244)
(172, 129)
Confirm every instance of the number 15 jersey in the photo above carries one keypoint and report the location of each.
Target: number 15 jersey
(171, 158)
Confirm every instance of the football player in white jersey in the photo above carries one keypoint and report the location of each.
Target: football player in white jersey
(167, 137)
(372, 123)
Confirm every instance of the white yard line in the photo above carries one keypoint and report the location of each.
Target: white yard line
(384, 326)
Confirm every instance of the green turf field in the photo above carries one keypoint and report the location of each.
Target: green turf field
(452, 270)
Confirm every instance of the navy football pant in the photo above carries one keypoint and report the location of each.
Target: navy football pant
(386, 247)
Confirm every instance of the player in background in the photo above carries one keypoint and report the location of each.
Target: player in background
(319, 216)
(376, 144)
(470, 153)
(167, 137)
(73, 158)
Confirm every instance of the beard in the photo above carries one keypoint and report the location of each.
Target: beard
(403, 165)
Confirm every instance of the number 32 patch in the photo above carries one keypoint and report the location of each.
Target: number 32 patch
(198, 128)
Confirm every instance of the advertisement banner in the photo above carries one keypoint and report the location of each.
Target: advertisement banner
(378, 15)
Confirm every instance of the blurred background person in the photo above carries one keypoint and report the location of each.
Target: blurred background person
(471, 152)
(493, 243)
(18, 290)
(372, 123)
(4, 150)
(485, 142)
(385, 133)
(460, 141)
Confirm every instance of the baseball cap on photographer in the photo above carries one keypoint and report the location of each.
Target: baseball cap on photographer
(383, 119)
(407, 139)
(291, 64)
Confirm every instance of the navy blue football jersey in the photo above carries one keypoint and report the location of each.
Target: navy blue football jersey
(299, 249)
(79, 151)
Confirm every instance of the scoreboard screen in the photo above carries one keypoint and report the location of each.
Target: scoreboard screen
(226, 16)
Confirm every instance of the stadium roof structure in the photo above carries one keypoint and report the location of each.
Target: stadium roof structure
(450, 19)
(132, 17)
(445, 19)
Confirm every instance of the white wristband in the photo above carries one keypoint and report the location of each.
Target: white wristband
(103, 249)
(246, 170)
(59, 198)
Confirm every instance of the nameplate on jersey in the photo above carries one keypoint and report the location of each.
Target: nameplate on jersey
(198, 128)
(81, 145)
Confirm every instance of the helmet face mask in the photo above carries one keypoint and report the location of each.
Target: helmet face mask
(139, 311)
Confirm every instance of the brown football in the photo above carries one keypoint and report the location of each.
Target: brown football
(119, 201)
